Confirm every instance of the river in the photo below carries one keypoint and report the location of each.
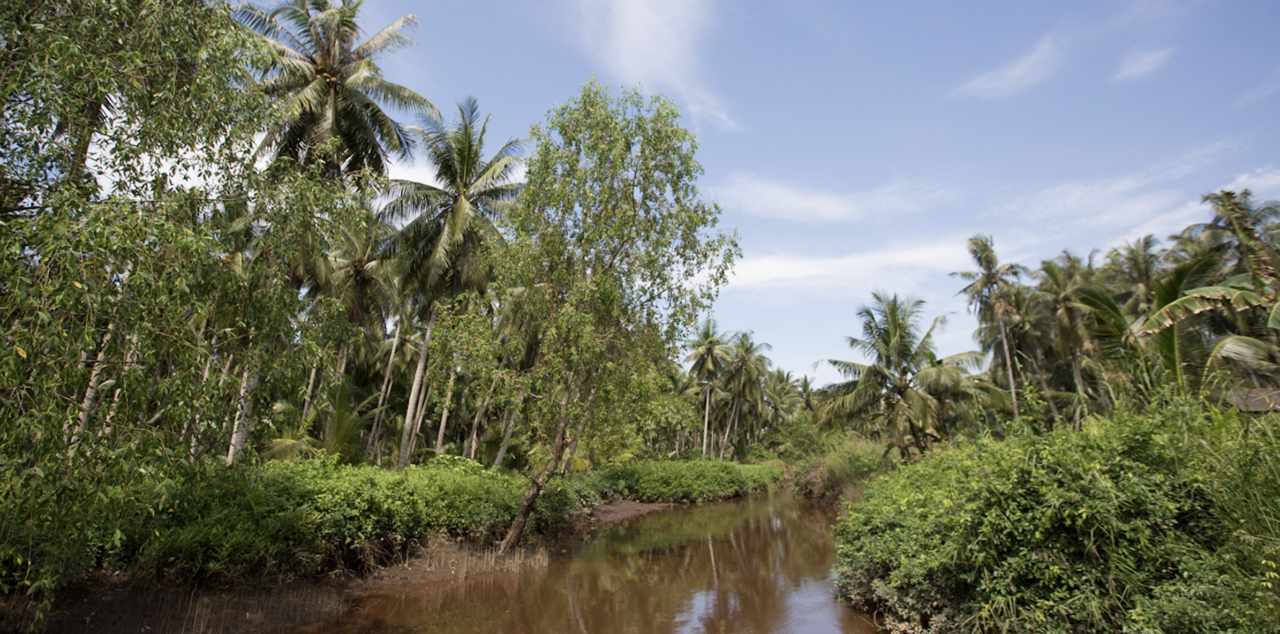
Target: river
(761, 564)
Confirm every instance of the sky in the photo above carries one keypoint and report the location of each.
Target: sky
(856, 146)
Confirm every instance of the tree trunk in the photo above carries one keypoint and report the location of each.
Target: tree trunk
(1075, 367)
(448, 400)
(91, 393)
(342, 362)
(507, 426)
(240, 431)
(706, 421)
(93, 116)
(530, 496)
(421, 415)
(582, 424)
(306, 399)
(1008, 362)
(413, 391)
(1044, 385)
(375, 432)
(473, 440)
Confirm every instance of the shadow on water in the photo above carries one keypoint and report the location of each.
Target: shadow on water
(756, 565)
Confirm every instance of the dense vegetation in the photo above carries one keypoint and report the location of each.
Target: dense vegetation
(232, 347)
(1116, 467)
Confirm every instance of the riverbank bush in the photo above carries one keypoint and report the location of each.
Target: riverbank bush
(287, 519)
(689, 481)
(840, 471)
(1162, 522)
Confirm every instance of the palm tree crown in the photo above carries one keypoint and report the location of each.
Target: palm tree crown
(328, 87)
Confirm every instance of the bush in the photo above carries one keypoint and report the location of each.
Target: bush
(840, 472)
(691, 481)
(1130, 525)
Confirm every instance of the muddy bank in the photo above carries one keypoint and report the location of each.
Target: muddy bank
(111, 604)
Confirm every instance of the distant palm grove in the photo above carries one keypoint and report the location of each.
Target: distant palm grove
(214, 301)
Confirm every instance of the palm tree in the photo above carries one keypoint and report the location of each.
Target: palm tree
(746, 368)
(894, 387)
(1061, 281)
(986, 300)
(708, 354)
(328, 88)
(449, 221)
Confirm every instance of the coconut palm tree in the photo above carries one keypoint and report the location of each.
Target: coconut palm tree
(708, 354)
(745, 370)
(986, 300)
(892, 391)
(328, 89)
(447, 222)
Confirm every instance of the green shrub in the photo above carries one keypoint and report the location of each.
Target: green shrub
(692, 481)
(1127, 526)
(842, 469)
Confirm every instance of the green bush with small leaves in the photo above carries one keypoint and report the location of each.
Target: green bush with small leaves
(1162, 522)
(693, 481)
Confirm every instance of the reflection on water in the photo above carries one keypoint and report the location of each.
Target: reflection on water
(756, 565)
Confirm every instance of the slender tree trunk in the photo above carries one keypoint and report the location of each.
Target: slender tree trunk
(421, 415)
(244, 416)
(93, 116)
(539, 481)
(413, 391)
(375, 433)
(582, 424)
(1008, 362)
(507, 426)
(342, 362)
(448, 401)
(473, 440)
(706, 421)
(91, 394)
(1075, 367)
(194, 425)
(306, 399)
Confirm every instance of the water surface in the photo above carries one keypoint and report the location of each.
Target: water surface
(759, 565)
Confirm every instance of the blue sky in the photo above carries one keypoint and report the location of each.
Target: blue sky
(857, 145)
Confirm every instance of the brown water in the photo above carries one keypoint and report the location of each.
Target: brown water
(756, 565)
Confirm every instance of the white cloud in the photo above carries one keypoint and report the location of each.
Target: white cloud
(1264, 183)
(1261, 91)
(1118, 202)
(771, 198)
(900, 267)
(654, 43)
(1138, 63)
(1018, 75)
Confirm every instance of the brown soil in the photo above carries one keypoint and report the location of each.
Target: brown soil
(115, 604)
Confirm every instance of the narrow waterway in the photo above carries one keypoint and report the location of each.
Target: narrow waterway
(756, 565)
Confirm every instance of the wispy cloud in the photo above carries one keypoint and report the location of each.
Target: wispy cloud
(654, 43)
(1018, 75)
(1260, 92)
(771, 198)
(903, 267)
(1138, 63)
(1264, 183)
(1116, 202)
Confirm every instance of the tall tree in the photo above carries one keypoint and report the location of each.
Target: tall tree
(891, 392)
(986, 300)
(449, 221)
(709, 352)
(328, 88)
(616, 254)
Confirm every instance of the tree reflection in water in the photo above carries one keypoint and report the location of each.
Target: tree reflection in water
(757, 565)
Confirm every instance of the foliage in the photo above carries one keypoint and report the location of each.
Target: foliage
(693, 481)
(839, 472)
(1147, 523)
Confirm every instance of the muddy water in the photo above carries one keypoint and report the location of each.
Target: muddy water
(756, 565)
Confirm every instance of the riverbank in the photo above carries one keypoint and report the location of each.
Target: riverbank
(108, 603)
(317, 526)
